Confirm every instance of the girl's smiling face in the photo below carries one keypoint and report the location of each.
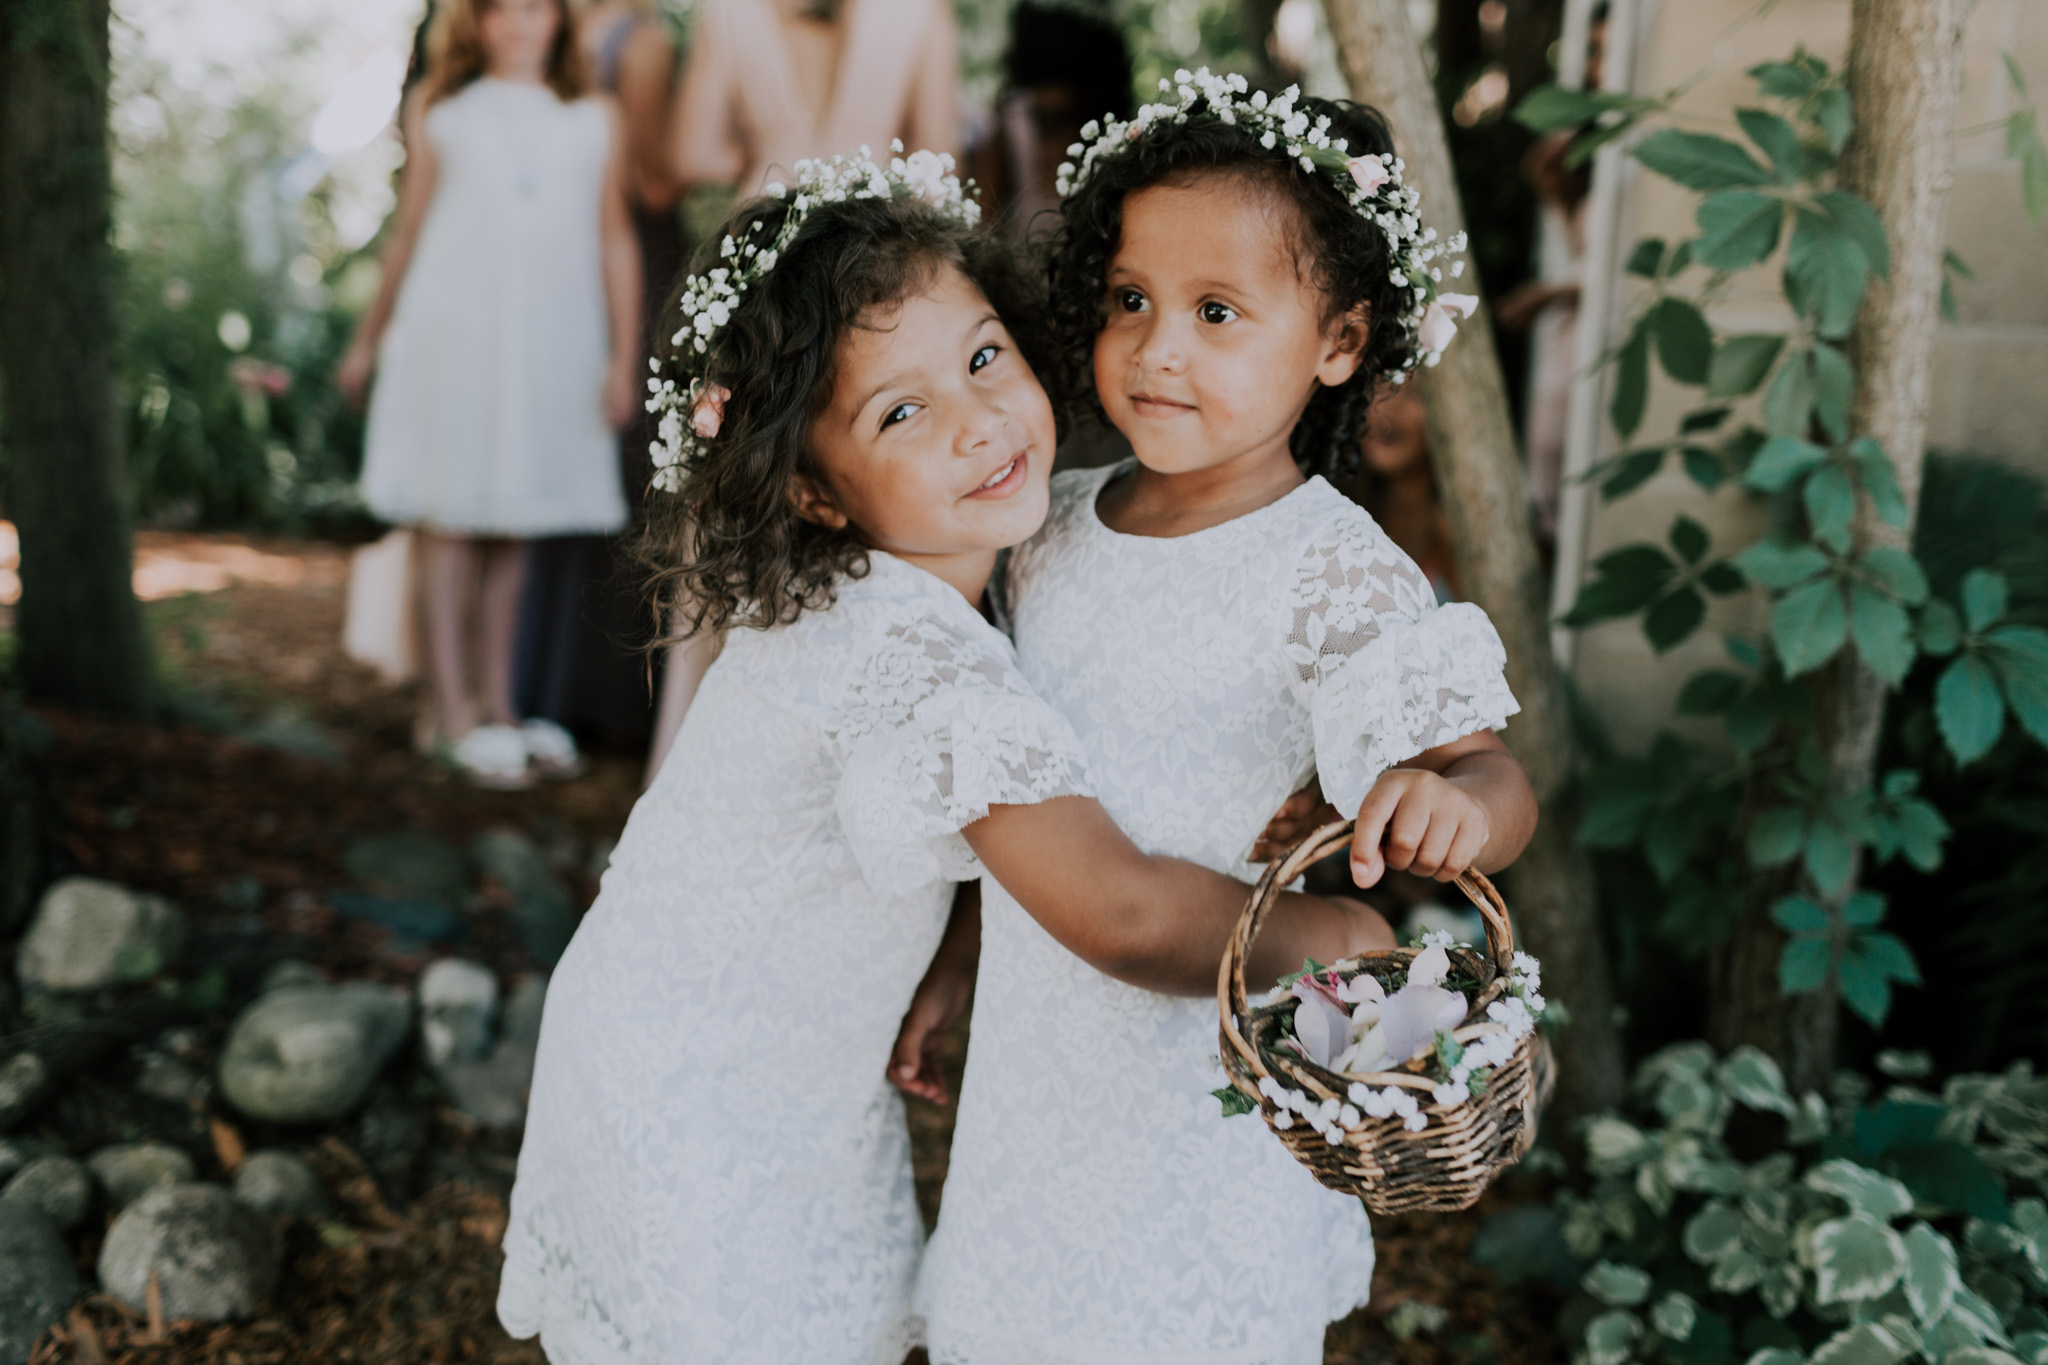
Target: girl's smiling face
(518, 36)
(1214, 340)
(937, 442)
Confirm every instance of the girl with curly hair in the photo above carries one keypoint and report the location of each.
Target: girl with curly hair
(714, 1166)
(1232, 276)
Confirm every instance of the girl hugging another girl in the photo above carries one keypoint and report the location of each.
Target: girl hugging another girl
(1234, 275)
(715, 1168)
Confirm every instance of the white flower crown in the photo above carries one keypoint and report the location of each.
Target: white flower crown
(1370, 184)
(692, 411)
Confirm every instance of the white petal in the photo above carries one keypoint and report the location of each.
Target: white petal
(1430, 966)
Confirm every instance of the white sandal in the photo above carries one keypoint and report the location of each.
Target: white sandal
(551, 749)
(494, 757)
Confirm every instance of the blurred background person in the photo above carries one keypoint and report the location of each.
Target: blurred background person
(1397, 484)
(582, 624)
(1061, 68)
(505, 337)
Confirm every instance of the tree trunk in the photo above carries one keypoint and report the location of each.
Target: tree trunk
(1905, 72)
(1472, 444)
(78, 628)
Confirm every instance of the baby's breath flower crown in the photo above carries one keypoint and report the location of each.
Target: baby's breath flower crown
(689, 407)
(1370, 184)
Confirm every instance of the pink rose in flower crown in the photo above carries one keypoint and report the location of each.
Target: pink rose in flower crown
(1370, 172)
(709, 413)
(1439, 325)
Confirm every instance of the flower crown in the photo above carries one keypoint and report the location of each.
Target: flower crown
(1370, 184)
(690, 412)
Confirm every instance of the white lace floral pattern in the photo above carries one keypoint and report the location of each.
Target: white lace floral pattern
(1098, 1208)
(715, 1168)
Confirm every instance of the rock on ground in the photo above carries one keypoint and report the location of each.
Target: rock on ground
(289, 971)
(408, 862)
(279, 1184)
(37, 1281)
(89, 933)
(458, 1004)
(56, 1187)
(129, 1170)
(213, 1256)
(492, 1091)
(303, 1054)
(519, 1021)
(541, 911)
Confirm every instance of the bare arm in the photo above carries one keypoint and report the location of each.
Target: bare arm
(1462, 804)
(1158, 923)
(682, 672)
(646, 87)
(934, 116)
(415, 194)
(701, 140)
(621, 280)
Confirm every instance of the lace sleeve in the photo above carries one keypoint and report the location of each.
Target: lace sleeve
(939, 727)
(1384, 671)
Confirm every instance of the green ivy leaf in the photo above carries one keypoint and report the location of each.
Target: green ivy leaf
(1854, 215)
(1674, 618)
(1684, 341)
(1625, 581)
(1866, 984)
(1628, 472)
(1552, 108)
(1669, 838)
(1804, 965)
(1969, 708)
(1941, 630)
(1788, 403)
(1834, 113)
(1785, 81)
(1830, 855)
(1875, 471)
(1703, 419)
(1856, 1258)
(1864, 1344)
(1882, 631)
(1234, 1101)
(1781, 460)
(1775, 564)
(1674, 1316)
(1689, 538)
(1753, 1078)
(1740, 363)
(1834, 385)
(1776, 834)
(1862, 910)
(1703, 467)
(1777, 140)
(1897, 572)
(1714, 1233)
(1631, 382)
(1799, 915)
(1826, 272)
(1738, 228)
(1809, 625)
(1611, 1338)
(1868, 1192)
(1617, 1286)
(1830, 499)
(1721, 578)
(1931, 1278)
(1699, 161)
(2019, 655)
(1984, 597)
(1647, 258)
(1709, 693)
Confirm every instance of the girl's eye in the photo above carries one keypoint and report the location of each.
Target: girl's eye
(1217, 313)
(900, 412)
(983, 358)
(1130, 300)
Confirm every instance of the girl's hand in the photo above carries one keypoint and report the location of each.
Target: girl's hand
(352, 376)
(1299, 816)
(622, 394)
(940, 1000)
(1369, 930)
(1428, 825)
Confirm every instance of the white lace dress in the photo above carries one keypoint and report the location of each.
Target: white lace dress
(715, 1168)
(1098, 1208)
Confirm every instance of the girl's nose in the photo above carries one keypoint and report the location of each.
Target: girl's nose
(982, 428)
(1159, 350)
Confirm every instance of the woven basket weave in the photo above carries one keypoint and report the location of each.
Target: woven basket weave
(1446, 1165)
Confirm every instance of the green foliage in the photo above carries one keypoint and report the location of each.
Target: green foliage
(1833, 584)
(2023, 144)
(1910, 1229)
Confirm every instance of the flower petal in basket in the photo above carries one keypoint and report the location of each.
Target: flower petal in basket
(1416, 1013)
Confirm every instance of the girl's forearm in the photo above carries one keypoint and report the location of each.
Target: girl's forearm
(1496, 781)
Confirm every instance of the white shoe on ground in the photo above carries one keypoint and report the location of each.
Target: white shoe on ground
(494, 757)
(551, 749)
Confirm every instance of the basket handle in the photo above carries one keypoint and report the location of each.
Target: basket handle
(1230, 986)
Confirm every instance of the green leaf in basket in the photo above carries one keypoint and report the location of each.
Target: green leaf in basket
(1234, 1101)
(1309, 967)
(1449, 1050)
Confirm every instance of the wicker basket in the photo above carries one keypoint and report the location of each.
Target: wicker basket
(1444, 1166)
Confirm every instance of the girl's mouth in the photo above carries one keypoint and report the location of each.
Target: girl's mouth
(1148, 406)
(1004, 481)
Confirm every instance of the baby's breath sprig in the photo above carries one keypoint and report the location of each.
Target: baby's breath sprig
(689, 404)
(1371, 184)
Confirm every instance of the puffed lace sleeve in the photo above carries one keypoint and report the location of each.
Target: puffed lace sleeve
(939, 726)
(1384, 671)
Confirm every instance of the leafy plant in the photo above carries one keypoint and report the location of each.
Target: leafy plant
(1704, 815)
(1858, 1234)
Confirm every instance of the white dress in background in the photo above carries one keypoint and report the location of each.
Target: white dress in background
(715, 1167)
(1098, 1208)
(487, 416)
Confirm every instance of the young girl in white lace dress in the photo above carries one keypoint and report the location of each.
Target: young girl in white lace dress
(715, 1168)
(1219, 629)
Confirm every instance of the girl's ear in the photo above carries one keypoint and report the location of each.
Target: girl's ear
(814, 503)
(1344, 347)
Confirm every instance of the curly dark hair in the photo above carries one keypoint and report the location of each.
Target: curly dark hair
(1347, 255)
(728, 549)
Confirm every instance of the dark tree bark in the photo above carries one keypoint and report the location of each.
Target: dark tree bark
(1905, 73)
(78, 627)
(1472, 444)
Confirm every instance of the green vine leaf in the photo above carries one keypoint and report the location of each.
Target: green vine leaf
(1830, 498)
(1984, 598)
(1809, 625)
(1788, 403)
(1674, 618)
(1618, 1286)
(1932, 1278)
(2019, 655)
(1969, 708)
(1882, 631)
(1865, 1344)
(1738, 228)
(1685, 344)
(1740, 363)
(1631, 382)
(1775, 564)
(1856, 1258)
(1778, 141)
(1781, 460)
(1870, 964)
(1699, 161)
(1867, 1192)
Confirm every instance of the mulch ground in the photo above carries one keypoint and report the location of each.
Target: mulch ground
(247, 837)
